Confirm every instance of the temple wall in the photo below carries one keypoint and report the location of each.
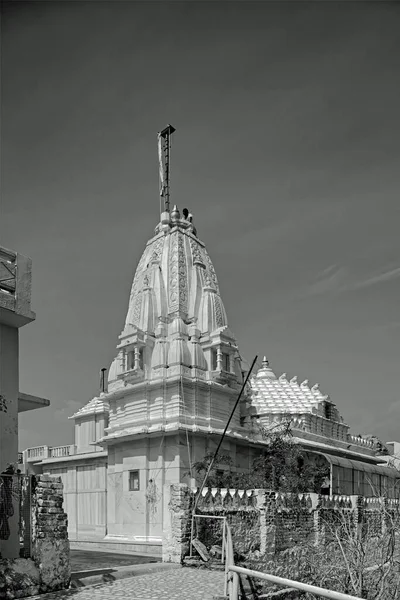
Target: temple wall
(88, 430)
(145, 464)
(85, 496)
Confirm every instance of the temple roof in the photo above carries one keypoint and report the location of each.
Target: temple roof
(175, 310)
(98, 404)
(170, 278)
(272, 394)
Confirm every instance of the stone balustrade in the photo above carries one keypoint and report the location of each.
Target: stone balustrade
(42, 452)
(62, 451)
(37, 453)
(360, 441)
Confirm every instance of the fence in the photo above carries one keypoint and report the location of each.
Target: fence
(16, 503)
(265, 521)
(233, 572)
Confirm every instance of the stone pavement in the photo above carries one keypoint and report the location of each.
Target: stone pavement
(183, 583)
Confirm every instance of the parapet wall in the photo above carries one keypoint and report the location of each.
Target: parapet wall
(48, 568)
(264, 522)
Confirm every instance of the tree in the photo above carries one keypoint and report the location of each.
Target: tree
(281, 465)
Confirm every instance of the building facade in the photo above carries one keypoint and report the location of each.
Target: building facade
(15, 312)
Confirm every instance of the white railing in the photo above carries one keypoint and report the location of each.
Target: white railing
(360, 441)
(37, 453)
(42, 452)
(232, 573)
(62, 451)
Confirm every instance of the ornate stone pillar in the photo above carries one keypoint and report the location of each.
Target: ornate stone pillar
(219, 359)
(137, 358)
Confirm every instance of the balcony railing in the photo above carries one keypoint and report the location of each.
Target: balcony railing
(360, 441)
(61, 451)
(7, 271)
(42, 452)
(37, 453)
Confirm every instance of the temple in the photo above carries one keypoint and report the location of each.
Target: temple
(168, 395)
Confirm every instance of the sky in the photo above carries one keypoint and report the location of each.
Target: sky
(286, 151)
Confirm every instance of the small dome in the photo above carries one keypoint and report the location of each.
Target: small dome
(266, 371)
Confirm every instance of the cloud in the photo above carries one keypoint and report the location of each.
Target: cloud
(336, 279)
(379, 278)
(330, 280)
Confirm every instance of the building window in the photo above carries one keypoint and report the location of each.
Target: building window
(213, 360)
(328, 411)
(226, 362)
(141, 353)
(134, 482)
(130, 360)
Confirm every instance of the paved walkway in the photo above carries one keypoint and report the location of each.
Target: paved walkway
(178, 584)
(86, 560)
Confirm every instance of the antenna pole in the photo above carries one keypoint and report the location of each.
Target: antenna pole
(103, 379)
(164, 151)
(216, 453)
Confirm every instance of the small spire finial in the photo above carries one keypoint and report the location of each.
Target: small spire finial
(265, 362)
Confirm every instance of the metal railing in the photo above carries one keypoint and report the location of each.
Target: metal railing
(232, 572)
(8, 265)
(16, 500)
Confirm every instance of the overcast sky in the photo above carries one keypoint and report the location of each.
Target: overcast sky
(286, 152)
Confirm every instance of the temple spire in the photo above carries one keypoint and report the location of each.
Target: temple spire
(164, 148)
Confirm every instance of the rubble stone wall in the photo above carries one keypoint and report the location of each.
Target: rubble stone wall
(48, 569)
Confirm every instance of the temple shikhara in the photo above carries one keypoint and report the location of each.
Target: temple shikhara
(169, 392)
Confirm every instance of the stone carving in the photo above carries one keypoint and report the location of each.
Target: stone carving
(211, 270)
(157, 250)
(136, 310)
(218, 311)
(196, 253)
(177, 275)
(138, 272)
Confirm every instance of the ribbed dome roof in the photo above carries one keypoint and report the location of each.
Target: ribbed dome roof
(175, 276)
(176, 318)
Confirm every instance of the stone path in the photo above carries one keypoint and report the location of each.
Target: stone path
(178, 584)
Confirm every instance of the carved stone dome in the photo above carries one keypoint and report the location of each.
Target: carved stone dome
(175, 317)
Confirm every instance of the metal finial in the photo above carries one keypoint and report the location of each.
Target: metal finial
(265, 362)
(164, 148)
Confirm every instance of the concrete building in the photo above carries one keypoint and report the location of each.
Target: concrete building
(15, 312)
(169, 392)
